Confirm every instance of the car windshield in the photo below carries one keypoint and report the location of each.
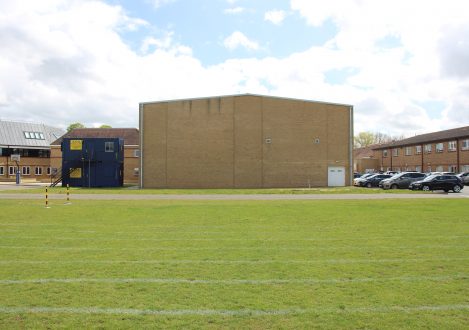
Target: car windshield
(431, 177)
(366, 175)
(398, 175)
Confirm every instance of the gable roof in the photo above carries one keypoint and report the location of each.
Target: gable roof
(449, 134)
(363, 152)
(244, 95)
(12, 135)
(130, 135)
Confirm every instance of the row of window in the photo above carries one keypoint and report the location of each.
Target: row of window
(25, 170)
(429, 168)
(34, 135)
(427, 148)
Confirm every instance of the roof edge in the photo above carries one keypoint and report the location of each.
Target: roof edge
(245, 94)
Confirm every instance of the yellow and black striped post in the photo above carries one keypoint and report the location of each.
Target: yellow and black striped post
(68, 194)
(47, 200)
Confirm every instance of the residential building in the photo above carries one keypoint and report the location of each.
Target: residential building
(364, 160)
(131, 148)
(31, 143)
(245, 141)
(443, 151)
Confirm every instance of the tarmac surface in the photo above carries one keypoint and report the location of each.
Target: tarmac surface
(9, 186)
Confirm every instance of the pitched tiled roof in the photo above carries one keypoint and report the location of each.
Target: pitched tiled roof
(364, 152)
(449, 134)
(130, 135)
(12, 134)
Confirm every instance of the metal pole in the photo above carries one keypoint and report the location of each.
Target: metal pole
(68, 195)
(47, 201)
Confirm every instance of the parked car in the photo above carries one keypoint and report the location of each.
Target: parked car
(373, 181)
(401, 180)
(464, 176)
(438, 182)
(363, 177)
(391, 172)
(356, 175)
(439, 173)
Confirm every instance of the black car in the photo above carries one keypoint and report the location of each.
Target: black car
(438, 182)
(373, 181)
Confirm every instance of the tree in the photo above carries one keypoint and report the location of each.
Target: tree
(74, 125)
(364, 139)
(105, 126)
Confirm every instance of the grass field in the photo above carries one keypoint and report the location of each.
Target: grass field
(255, 264)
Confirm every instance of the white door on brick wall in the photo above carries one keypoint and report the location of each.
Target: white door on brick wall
(336, 176)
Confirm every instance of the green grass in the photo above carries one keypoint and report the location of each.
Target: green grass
(255, 264)
(134, 190)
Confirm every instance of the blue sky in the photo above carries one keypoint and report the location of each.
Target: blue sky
(403, 65)
(204, 24)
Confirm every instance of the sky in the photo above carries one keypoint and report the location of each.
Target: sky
(403, 65)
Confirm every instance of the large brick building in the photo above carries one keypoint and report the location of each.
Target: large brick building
(131, 148)
(245, 141)
(31, 141)
(434, 152)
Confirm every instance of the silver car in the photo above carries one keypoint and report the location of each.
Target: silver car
(464, 176)
(401, 180)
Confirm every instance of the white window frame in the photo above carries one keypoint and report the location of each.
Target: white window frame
(428, 148)
(2, 170)
(12, 170)
(136, 171)
(439, 168)
(408, 151)
(38, 170)
(439, 147)
(25, 170)
(418, 150)
(429, 168)
(48, 170)
(465, 144)
(452, 168)
(395, 152)
(385, 153)
(109, 146)
(137, 153)
(464, 168)
(452, 146)
(418, 168)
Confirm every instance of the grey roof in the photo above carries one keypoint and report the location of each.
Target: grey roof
(246, 94)
(12, 135)
(460, 132)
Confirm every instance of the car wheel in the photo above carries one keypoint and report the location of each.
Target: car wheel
(457, 189)
(368, 184)
(394, 186)
(426, 188)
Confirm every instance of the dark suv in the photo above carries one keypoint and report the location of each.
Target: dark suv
(438, 182)
(373, 181)
(401, 180)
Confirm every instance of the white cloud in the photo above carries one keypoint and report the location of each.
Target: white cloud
(67, 62)
(275, 16)
(159, 3)
(238, 39)
(234, 10)
(427, 64)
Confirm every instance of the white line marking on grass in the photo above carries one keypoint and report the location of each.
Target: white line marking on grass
(238, 312)
(237, 281)
(229, 239)
(238, 248)
(228, 262)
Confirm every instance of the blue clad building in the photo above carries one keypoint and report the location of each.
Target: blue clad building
(93, 162)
